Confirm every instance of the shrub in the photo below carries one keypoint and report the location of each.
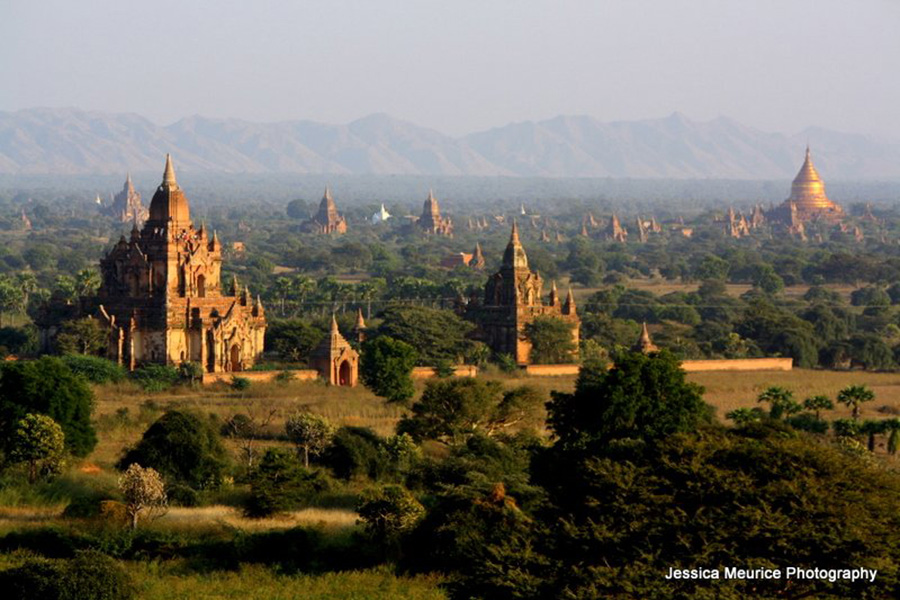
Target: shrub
(506, 363)
(280, 483)
(357, 452)
(91, 575)
(155, 378)
(94, 368)
(240, 384)
(389, 512)
(183, 448)
(807, 422)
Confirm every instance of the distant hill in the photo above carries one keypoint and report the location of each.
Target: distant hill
(71, 141)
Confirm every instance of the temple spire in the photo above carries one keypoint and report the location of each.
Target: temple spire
(554, 294)
(334, 325)
(169, 174)
(569, 306)
(515, 254)
(360, 321)
(644, 344)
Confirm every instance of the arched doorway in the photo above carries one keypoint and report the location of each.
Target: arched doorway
(344, 373)
(235, 358)
(201, 286)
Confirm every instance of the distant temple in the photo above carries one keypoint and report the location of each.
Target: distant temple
(807, 202)
(161, 298)
(381, 215)
(431, 221)
(126, 206)
(474, 260)
(335, 359)
(614, 231)
(513, 299)
(327, 219)
(644, 344)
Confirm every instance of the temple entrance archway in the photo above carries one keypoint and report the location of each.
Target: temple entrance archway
(235, 358)
(344, 375)
(201, 286)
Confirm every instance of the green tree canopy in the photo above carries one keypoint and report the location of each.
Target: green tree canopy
(47, 386)
(385, 367)
(437, 335)
(183, 448)
(551, 341)
(451, 410)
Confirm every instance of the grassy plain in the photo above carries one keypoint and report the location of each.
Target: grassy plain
(123, 412)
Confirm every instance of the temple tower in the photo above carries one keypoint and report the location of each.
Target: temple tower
(513, 297)
(161, 296)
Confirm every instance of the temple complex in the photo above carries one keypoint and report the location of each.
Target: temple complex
(126, 206)
(161, 298)
(431, 221)
(512, 300)
(327, 219)
(807, 201)
(335, 359)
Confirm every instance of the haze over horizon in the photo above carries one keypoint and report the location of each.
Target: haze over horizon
(462, 67)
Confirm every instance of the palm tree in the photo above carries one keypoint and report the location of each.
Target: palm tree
(780, 400)
(28, 284)
(87, 281)
(853, 396)
(818, 403)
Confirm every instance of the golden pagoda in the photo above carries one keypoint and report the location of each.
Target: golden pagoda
(808, 200)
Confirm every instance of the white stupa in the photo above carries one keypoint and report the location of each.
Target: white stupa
(380, 215)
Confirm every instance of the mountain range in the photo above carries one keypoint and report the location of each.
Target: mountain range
(69, 141)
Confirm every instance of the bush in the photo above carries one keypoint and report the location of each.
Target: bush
(91, 575)
(184, 449)
(357, 452)
(156, 378)
(807, 422)
(94, 368)
(281, 483)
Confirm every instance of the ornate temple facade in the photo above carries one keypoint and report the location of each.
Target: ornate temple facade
(327, 219)
(126, 206)
(807, 201)
(431, 221)
(161, 298)
(513, 298)
(335, 359)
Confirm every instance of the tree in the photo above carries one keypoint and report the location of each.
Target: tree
(435, 334)
(38, 442)
(452, 410)
(551, 340)
(280, 483)
(743, 416)
(780, 400)
(246, 428)
(81, 336)
(292, 339)
(47, 386)
(144, 491)
(310, 433)
(641, 397)
(298, 209)
(11, 297)
(853, 397)
(183, 448)
(389, 512)
(817, 404)
(386, 367)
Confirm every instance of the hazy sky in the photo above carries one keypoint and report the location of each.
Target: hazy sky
(458, 65)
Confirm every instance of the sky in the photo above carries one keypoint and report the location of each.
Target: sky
(461, 66)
